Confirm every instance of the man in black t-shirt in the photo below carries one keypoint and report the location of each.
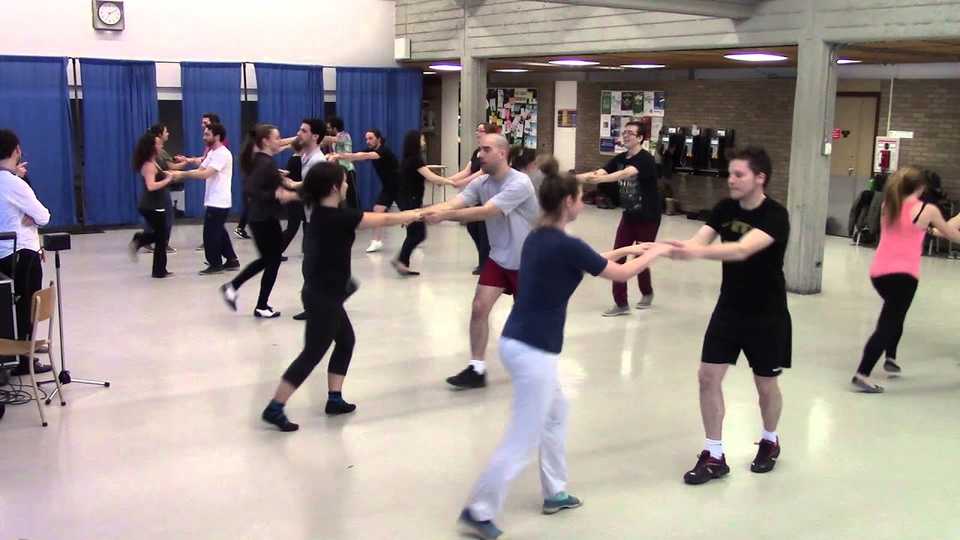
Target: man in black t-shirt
(751, 315)
(635, 172)
(388, 169)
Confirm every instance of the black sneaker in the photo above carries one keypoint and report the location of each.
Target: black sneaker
(302, 316)
(335, 407)
(241, 233)
(706, 469)
(284, 258)
(232, 265)
(211, 270)
(278, 418)
(468, 378)
(767, 456)
(23, 369)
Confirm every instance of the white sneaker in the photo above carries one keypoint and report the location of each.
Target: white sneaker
(229, 295)
(375, 246)
(268, 313)
(617, 311)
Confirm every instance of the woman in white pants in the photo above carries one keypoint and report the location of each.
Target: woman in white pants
(551, 267)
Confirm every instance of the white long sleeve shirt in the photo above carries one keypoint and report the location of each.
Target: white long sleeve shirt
(17, 200)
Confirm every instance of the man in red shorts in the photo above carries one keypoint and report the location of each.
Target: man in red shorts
(505, 200)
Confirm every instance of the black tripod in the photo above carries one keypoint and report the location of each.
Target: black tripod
(57, 243)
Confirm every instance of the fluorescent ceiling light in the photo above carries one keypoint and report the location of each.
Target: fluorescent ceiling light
(573, 62)
(644, 66)
(610, 68)
(512, 70)
(843, 61)
(755, 57)
(445, 67)
(537, 64)
(429, 72)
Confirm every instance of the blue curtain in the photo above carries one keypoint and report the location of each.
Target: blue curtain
(34, 103)
(387, 99)
(119, 105)
(286, 94)
(211, 88)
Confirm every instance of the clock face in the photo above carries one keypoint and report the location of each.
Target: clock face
(109, 13)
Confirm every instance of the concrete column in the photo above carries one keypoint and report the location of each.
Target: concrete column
(564, 139)
(809, 186)
(473, 101)
(450, 122)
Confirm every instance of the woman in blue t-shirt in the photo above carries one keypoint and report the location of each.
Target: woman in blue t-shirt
(551, 267)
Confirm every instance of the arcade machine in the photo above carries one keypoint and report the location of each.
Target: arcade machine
(690, 151)
(720, 142)
(668, 149)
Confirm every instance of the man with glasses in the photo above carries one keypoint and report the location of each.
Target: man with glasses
(635, 171)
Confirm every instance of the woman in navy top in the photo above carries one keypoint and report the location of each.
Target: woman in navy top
(551, 267)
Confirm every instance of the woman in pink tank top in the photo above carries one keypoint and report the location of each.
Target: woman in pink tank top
(895, 271)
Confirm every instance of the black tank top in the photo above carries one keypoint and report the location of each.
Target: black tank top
(156, 200)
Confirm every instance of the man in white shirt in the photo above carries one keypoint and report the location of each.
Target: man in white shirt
(216, 168)
(311, 133)
(21, 213)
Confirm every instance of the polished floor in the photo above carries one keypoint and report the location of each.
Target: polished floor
(175, 449)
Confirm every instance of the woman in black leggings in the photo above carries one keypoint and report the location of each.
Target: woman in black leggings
(895, 272)
(154, 202)
(413, 173)
(328, 241)
(264, 208)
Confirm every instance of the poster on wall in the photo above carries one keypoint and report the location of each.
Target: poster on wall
(514, 110)
(617, 107)
(886, 156)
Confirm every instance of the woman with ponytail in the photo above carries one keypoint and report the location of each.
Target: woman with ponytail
(327, 242)
(895, 272)
(551, 267)
(264, 208)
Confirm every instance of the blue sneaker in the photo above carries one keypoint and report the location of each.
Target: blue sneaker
(485, 530)
(561, 501)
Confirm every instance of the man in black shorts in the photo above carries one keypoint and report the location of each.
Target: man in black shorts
(388, 169)
(751, 315)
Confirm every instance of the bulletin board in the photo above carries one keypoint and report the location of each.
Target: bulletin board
(617, 107)
(514, 110)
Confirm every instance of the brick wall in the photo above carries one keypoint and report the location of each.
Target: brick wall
(930, 109)
(761, 112)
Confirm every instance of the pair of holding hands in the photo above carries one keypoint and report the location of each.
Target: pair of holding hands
(675, 249)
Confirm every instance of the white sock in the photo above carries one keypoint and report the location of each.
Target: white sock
(715, 448)
(771, 436)
(479, 366)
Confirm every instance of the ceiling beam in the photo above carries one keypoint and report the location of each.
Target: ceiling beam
(728, 10)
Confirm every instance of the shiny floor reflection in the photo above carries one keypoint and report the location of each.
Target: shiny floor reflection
(174, 449)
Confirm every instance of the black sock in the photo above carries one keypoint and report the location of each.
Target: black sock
(335, 396)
